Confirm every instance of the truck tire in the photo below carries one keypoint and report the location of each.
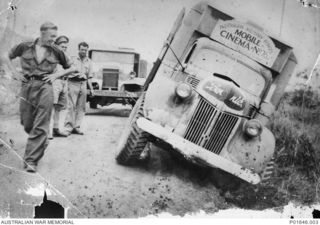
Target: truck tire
(267, 172)
(93, 103)
(132, 102)
(134, 140)
(225, 181)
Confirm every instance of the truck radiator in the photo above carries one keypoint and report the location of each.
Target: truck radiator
(110, 79)
(210, 128)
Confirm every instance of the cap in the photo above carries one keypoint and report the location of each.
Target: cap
(62, 39)
(48, 25)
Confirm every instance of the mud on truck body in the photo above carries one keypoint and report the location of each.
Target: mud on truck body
(112, 82)
(211, 93)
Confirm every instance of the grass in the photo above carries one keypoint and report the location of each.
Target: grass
(296, 126)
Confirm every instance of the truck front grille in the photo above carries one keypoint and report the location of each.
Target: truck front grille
(210, 128)
(110, 79)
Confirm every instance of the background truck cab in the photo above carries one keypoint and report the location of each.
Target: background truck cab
(119, 76)
(211, 93)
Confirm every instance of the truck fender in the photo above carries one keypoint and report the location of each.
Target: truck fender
(252, 153)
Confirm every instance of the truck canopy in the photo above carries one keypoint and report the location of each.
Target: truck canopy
(203, 20)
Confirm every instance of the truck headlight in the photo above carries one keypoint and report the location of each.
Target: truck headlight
(252, 128)
(183, 90)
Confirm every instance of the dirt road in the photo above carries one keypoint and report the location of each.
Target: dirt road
(86, 178)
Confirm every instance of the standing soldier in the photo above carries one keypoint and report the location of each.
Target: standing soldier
(38, 61)
(59, 93)
(77, 90)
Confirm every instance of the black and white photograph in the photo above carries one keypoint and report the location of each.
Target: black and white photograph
(118, 109)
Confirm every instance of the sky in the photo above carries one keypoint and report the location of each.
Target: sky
(145, 24)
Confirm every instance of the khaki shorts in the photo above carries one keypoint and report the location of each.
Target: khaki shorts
(60, 89)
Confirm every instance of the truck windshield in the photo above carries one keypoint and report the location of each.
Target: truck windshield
(120, 57)
(121, 60)
(217, 63)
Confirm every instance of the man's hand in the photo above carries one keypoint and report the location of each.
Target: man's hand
(50, 78)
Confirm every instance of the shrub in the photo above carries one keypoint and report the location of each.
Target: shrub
(304, 97)
(296, 126)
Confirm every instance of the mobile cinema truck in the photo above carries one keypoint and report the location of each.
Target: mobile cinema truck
(210, 95)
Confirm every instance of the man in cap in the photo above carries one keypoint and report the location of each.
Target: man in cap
(38, 60)
(60, 91)
(77, 86)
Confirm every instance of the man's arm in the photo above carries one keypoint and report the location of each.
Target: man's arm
(89, 80)
(16, 51)
(59, 73)
(62, 58)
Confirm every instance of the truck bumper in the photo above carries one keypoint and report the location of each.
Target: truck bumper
(116, 94)
(193, 152)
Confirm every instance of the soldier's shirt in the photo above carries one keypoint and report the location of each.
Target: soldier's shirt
(83, 66)
(29, 62)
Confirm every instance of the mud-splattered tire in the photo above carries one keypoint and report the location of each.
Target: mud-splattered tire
(224, 180)
(267, 172)
(133, 140)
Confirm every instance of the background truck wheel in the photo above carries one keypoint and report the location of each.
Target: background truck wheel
(134, 140)
(132, 102)
(93, 103)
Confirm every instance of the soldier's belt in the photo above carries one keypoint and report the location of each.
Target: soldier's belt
(76, 79)
(34, 77)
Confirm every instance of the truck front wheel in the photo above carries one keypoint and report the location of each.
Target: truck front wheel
(93, 103)
(134, 140)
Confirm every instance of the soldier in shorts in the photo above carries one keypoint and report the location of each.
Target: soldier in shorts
(60, 92)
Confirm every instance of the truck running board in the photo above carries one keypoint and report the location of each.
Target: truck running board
(193, 151)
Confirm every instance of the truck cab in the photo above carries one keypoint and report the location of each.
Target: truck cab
(211, 93)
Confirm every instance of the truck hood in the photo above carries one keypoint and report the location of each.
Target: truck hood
(226, 92)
